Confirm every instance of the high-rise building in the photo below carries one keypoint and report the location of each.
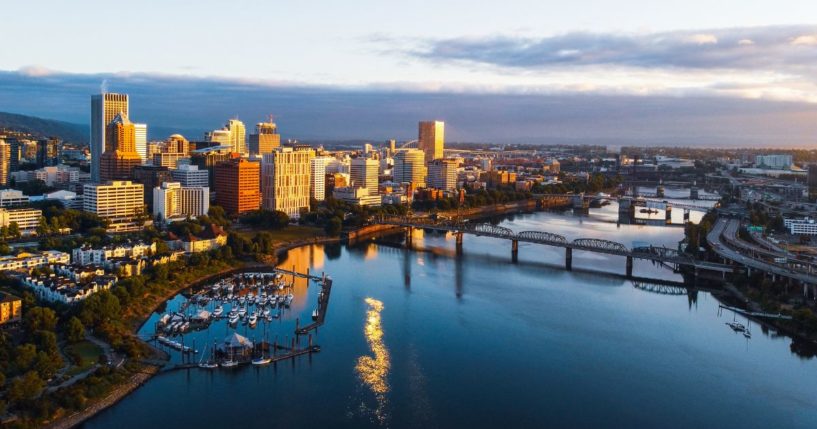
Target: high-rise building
(265, 139)
(141, 141)
(238, 136)
(812, 181)
(15, 154)
(168, 159)
(442, 174)
(104, 107)
(410, 167)
(173, 201)
(5, 160)
(48, 152)
(191, 176)
(431, 139)
(207, 159)
(120, 157)
(285, 180)
(223, 137)
(237, 185)
(317, 178)
(151, 176)
(363, 172)
(177, 144)
(119, 202)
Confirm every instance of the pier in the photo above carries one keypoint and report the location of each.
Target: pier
(755, 313)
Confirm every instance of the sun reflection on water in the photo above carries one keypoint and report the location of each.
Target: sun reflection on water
(374, 370)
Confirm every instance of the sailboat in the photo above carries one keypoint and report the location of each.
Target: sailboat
(210, 364)
(747, 333)
(229, 363)
(262, 360)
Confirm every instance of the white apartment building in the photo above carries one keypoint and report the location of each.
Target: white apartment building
(87, 255)
(806, 226)
(285, 180)
(777, 162)
(172, 201)
(356, 196)
(317, 172)
(190, 176)
(119, 202)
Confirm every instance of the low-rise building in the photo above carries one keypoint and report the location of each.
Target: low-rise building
(59, 289)
(210, 238)
(11, 308)
(27, 220)
(13, 198)
(27, 261)
(805, 226)
(356, 196)
(88, 255)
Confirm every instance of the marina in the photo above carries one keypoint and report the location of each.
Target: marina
(234, 318)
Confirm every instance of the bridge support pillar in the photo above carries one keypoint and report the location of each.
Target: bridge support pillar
(629, 267)
(409, 231)
(569, 259)
(515, 250)
(459, 243)
(668, 215)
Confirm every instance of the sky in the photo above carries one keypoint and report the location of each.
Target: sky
(642, 72)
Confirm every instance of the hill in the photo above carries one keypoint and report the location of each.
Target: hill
(67, 131)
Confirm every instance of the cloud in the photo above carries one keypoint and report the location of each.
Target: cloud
(778, 49)
(805, 40)
(190, 106)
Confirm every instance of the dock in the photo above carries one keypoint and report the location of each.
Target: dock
(323, 305)
(756, 313)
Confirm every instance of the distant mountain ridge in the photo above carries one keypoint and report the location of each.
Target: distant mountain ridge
(67, 131)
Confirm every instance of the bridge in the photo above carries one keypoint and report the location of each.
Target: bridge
(662, 255)
(586, 198)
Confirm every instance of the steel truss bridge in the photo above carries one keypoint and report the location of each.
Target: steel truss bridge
(652, 253)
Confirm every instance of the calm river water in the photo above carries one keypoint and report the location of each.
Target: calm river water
(428, 339)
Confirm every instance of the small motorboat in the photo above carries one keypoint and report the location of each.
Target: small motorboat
(261, 361)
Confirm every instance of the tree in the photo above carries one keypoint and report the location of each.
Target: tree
(333, 226)
(24, 356)
(40, 318)
(25, 388)
(14, 230)
(75, 331)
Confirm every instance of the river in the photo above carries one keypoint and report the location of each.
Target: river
(427, 339)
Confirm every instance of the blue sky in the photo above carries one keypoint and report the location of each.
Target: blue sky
(680, 56)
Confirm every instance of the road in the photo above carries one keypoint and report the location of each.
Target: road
(726, 226)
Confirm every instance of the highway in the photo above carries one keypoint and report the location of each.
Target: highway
(728, 227)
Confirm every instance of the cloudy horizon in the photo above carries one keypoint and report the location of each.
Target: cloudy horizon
(741, 74)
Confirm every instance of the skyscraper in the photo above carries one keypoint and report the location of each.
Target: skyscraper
(151, 176)
(317, 178)
(442, 174)
(5, 160)
(120, 157)
(238, 136)
(364, 172)
(431, 139)
(222, 137)
(285, 180)
(410, 167)
(15, 154)
(48, 152)
(265, 139)
(104, 107)
(237, 185)
(141, 142)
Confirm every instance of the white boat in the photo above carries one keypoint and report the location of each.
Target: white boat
(315, 314)
(253, 320)
(229, 363)
(266, 312)
(242, 311)
(218, 311)
(289, 299)
(233, 319)
(261, 361)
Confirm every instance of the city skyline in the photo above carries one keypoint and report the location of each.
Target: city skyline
(738, 75)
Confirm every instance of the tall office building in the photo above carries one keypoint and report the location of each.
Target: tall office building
(410, 167)
(191, 176)
(15, 154)
(172, 201)
(223, 137)
(151, 176)
(120, 157)
(104, 107)
(207, 159)
(237, 185)
(363, 172)
(285, 180)
(48, 152)
(265, 139)
(119, 202)
(141, 141)
(238, 136)
(317, 178)
(5, 160)
(442, 174)
(177, 144)
(431, 139)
